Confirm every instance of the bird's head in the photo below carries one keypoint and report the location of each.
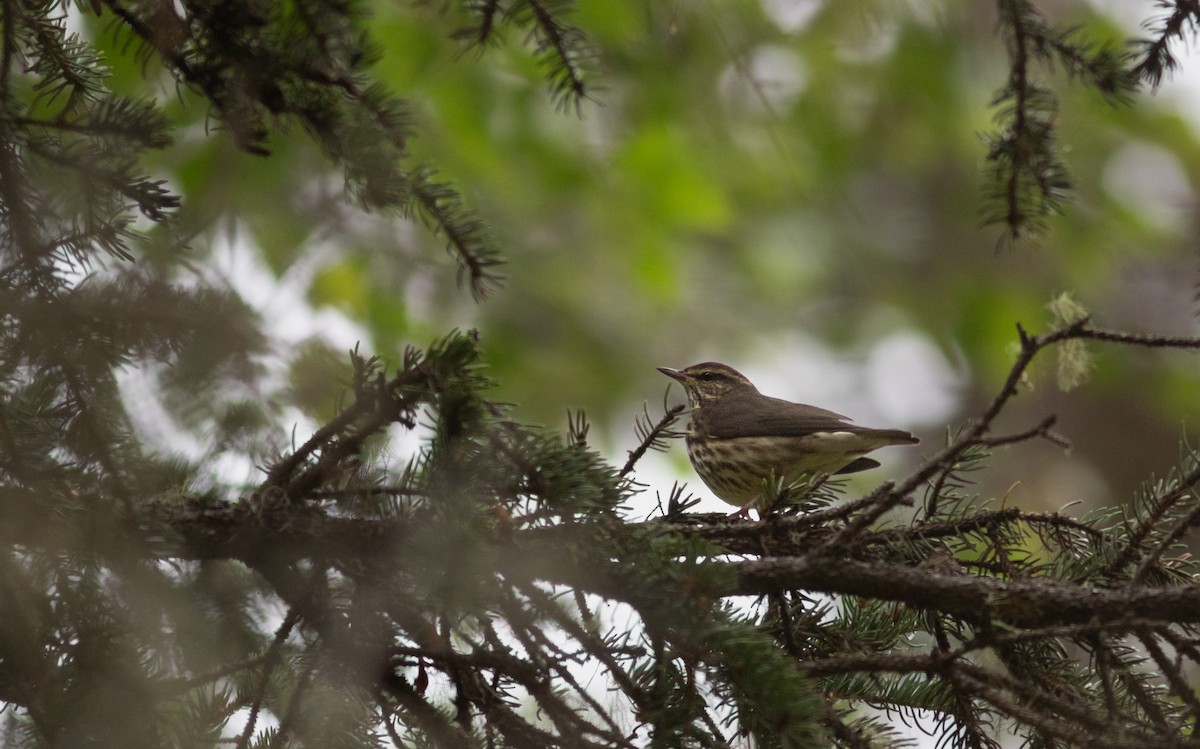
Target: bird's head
(708, 382)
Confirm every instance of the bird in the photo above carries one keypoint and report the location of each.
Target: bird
(740, 441)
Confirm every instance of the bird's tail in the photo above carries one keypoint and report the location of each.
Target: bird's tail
(892, 436)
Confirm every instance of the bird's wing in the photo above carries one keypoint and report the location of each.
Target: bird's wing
(773, 417)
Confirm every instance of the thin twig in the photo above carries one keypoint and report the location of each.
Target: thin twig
(1171, 673)
(1161, 506)
(271, 659)
(1181, 527)
(653, 437)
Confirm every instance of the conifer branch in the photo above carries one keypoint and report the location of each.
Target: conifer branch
(651, 434)
(466, 236)
(1181, 526)
(1172, 673)
(245, 65)
(494, 559)
(1039, 603)
(291, 714)
(270, 660)
(1029, 603)
(1150, 521)
(561, 48)
(1027, 181)
(1158, 60)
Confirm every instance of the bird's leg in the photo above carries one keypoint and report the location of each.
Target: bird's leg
(791, 496)
(743, 512)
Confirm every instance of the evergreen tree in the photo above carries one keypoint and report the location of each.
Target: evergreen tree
(491, 590)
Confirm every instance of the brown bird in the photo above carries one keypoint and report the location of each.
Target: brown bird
(739, 440)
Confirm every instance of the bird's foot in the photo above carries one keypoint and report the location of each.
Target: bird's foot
(742, 513)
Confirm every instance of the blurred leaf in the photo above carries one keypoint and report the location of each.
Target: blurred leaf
(342, 284)
(314, 367)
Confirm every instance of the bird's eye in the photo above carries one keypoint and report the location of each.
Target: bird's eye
(708, 376)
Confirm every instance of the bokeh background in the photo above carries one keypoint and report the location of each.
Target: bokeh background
(793, 187)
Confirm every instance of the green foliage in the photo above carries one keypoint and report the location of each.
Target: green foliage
(771, 699)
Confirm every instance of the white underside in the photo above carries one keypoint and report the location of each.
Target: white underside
(817, 453)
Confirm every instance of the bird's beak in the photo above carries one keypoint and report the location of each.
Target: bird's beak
(674, 374)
